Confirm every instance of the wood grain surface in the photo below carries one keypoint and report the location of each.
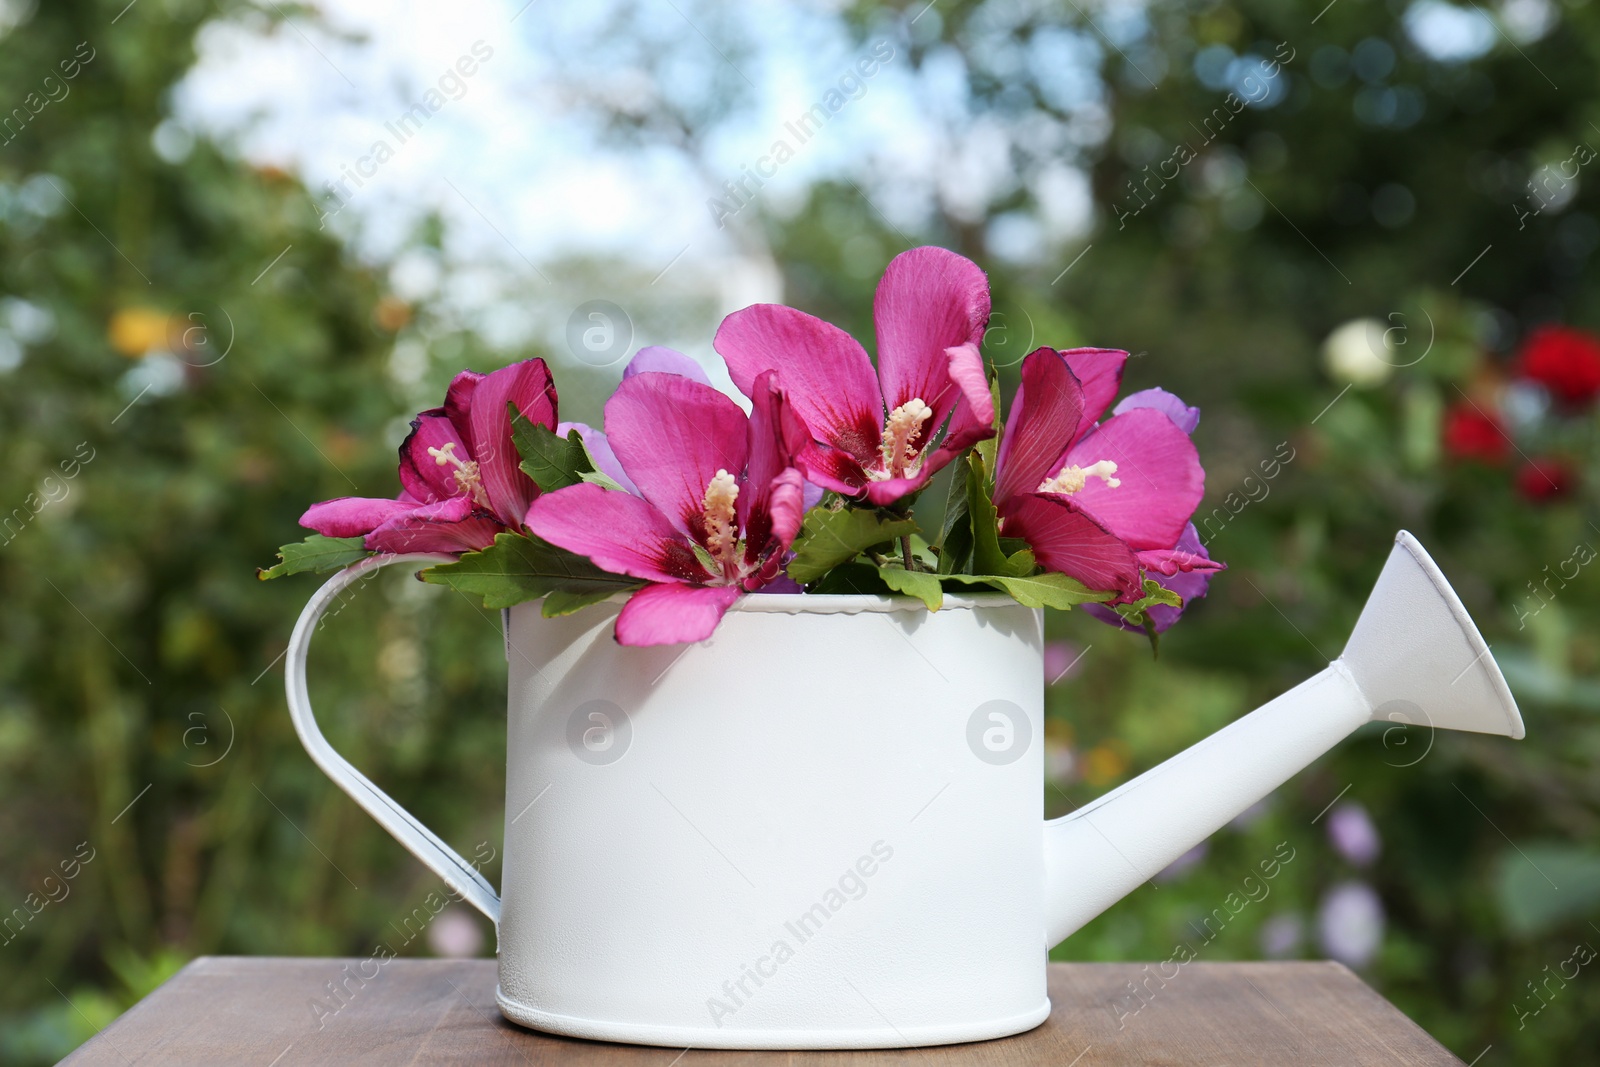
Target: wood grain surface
(234, 1010)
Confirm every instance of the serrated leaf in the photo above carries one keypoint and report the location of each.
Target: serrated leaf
(1048, 590)
(603, 480)
(1020, 563)
(957, 549)
(552, 462)
(955, 501)
(559, 602)
(316, 553)
(517, 568)
(853, 579)
(920, 584)
(986, 555)
(829, 538)
(1137, 613)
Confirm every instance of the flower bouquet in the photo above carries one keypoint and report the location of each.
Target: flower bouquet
(684, 502)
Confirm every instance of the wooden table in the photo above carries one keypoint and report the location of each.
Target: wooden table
(234, 1010)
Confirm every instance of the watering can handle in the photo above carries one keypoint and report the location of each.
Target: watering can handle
(421, 842)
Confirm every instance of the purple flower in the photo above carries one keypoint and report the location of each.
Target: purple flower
(1353, 834)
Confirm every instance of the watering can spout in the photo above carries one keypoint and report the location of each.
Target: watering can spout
(1414, 658)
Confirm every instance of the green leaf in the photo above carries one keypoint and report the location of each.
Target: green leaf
(920, 584)
(559, 602)
(1020, 563)
(517, 568)
(955, 501)
(1048, 590)
(989, 447)
(829, 538)
(603, 480)
(986, 555)
(854, 578)
(1137, 613)
(315, 553)
(552, 462)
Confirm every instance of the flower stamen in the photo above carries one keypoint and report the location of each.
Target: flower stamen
(466, 472)
(721, 518)
(900, 435)
(1072, 478)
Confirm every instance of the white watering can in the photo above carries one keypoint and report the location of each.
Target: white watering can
(823, 827)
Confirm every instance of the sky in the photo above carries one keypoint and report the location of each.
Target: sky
(528, 142)
(517, 158)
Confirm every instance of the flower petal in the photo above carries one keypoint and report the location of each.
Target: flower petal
(972, 418)
(774, 526)
(421, 473)
(823, 371)
(618, 532)
(667, 361)
(1100, 371)
(891, 489)
(1065, 539)
(599, 448)
(1159, 469)
(453, 525)
(776, 436)
(1190, 582)
(458, 404)
(1045, 415)
(832, 468)
(1175, 409)
(526, 384)
(929, 300)
(352, 516)
(672, 435)
(673, 614)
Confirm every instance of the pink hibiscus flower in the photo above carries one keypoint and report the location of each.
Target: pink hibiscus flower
(878, 436)
(461, 474)
(1098, 502)
(718, 503)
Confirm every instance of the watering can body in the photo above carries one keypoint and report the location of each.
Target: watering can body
(823, 827)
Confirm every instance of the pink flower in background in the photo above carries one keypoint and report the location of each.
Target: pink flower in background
(1281, 936)
(461, 474)
(1353, 833)
(1350, 923)
(878, 437)
(1099, 502)
(1060, 660)
(455, 934)
(718, 503)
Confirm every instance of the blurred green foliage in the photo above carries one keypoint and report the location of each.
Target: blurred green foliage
(141, 716)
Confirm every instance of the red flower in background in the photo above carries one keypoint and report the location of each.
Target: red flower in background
(1472, 433)
(1564, 361)
(1545, 479)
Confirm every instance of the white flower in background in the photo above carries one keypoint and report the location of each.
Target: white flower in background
(1350, 923)
(1359, 353)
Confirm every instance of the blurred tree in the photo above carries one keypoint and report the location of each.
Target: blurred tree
(1216, 186)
